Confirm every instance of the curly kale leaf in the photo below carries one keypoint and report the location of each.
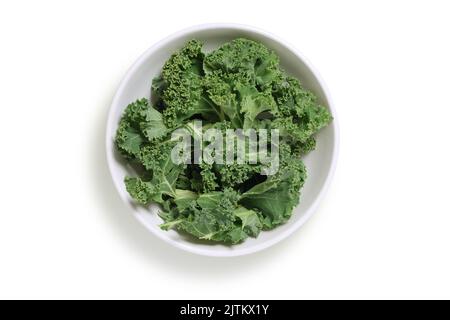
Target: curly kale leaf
(222, 93)
(300, 115)
(246, 58)
(250, 221)
(214, 216)
(162, 183)
(181, 86)
(239, 77)
(254, 103)
(139, 125)
(279, 194)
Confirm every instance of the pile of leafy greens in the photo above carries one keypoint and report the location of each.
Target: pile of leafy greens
(239, 85)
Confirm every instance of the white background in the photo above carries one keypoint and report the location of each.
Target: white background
(382, 231)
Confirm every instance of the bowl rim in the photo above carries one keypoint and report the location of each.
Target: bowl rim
(306, 215)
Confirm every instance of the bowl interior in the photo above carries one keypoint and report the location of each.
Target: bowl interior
(137, 84)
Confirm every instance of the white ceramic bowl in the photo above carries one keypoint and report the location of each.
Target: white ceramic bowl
(320, 163)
